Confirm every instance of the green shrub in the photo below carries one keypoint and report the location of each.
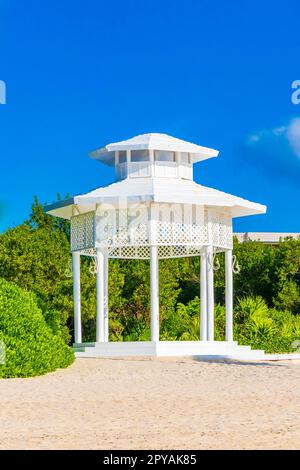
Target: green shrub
(264, 328)
(250, 307)
(255, 324)
(184, 323)
(31, 347)
(220, 314)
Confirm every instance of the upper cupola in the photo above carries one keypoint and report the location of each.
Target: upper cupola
(154, 156)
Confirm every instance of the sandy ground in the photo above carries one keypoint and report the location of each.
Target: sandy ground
(154, 403)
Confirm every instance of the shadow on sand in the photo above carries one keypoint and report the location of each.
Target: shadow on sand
(238, 362)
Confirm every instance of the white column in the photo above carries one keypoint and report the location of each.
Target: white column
(152, 163)
(128, 163)
(203, 295)
(76, 296)
(100, 297)
(178, 162)
(154, 293)
(106, 323)
(117, 162)
(210, 294)
(229, 295)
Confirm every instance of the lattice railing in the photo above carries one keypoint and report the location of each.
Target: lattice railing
(220, 228)
(143, 252)
(82, 231)
(178, 230)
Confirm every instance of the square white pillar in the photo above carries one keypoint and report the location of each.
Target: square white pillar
(154, 293)
(210, 294)
(106, 318)
(229, 295)
(100, 297)
(203, 295)
(76, 296)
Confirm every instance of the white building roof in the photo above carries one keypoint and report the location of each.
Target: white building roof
(154, 141)
(265, 237)
(165, 190)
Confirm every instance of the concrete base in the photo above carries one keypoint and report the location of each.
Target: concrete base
(203, 349)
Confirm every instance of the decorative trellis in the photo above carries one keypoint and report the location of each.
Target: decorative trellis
(83, 231)
(220, 225)
(179, 230)
(143, 252)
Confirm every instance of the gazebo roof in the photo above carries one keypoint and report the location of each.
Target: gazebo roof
(156, 190)
(153, 141)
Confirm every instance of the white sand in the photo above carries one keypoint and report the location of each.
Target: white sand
(154, 403)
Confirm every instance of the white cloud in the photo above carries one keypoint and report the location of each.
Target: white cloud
(279, 130)
(290, 133)
(254, 138)
(293, 135)
(276, 151)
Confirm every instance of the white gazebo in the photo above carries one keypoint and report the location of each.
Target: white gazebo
(155, 210)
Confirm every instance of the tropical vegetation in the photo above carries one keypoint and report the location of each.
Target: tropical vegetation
(35, 256)
(28, 345)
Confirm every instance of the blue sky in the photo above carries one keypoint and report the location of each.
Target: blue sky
(82, 74)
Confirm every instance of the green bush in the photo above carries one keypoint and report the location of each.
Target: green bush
(264, 328)
(184, 323)
(31, 347)
(255, 324)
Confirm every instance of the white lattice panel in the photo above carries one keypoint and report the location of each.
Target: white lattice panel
(130, 252)
(143, 252)
(178, 230)
(219, 228)
(138, 226)
(121, 235)
(89, 252)
(82, 231)
(164, 224)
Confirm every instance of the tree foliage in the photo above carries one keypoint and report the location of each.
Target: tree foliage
(31, 348)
